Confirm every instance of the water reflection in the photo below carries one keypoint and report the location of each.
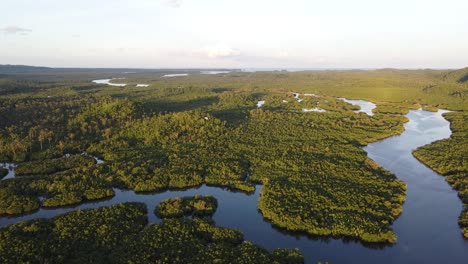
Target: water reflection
(366, 107)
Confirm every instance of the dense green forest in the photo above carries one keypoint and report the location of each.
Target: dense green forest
(207, 129)
(44, 167)
(119, 234)
(187, 206)
(277, 147)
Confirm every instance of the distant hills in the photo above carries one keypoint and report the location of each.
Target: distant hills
(460, 75)
(21, 68)
(26, 69)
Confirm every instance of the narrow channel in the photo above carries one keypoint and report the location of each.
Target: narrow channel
(427, 230)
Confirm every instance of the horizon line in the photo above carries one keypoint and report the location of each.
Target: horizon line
(238, 69)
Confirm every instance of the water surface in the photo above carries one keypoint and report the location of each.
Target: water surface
(315, 109)
(108, 82)
(11, 169)
(175, 75)
(214, 72)
(366, 106)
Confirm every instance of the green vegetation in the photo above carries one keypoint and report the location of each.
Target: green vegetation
(281, 148)
(206, 129)
(198, 241)
(187, 206)
(19, 196)
(52, 166)
(117, 234)
(449, 157)
(12, 204)
(317, 181)
(87, 236)
(430, 108)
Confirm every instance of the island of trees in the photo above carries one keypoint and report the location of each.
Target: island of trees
(119, 234)
(197, 205)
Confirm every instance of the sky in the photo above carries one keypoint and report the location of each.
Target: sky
(235, 33)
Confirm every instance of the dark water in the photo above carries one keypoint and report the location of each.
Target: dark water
(427, 230)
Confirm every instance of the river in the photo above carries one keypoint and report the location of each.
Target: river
(108, 82)
(427, 230)
(366, 106)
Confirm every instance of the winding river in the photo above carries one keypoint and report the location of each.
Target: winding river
(427, 230)
(366, 106)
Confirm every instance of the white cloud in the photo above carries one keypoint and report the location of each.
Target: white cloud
(221, 51)
(172, 3)
(15, 30)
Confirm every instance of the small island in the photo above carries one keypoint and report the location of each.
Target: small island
(197, 205)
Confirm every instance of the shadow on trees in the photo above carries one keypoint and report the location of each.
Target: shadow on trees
(162, 105)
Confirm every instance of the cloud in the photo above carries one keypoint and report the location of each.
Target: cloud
(221, 51)
(172, 3)
(15, 29)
